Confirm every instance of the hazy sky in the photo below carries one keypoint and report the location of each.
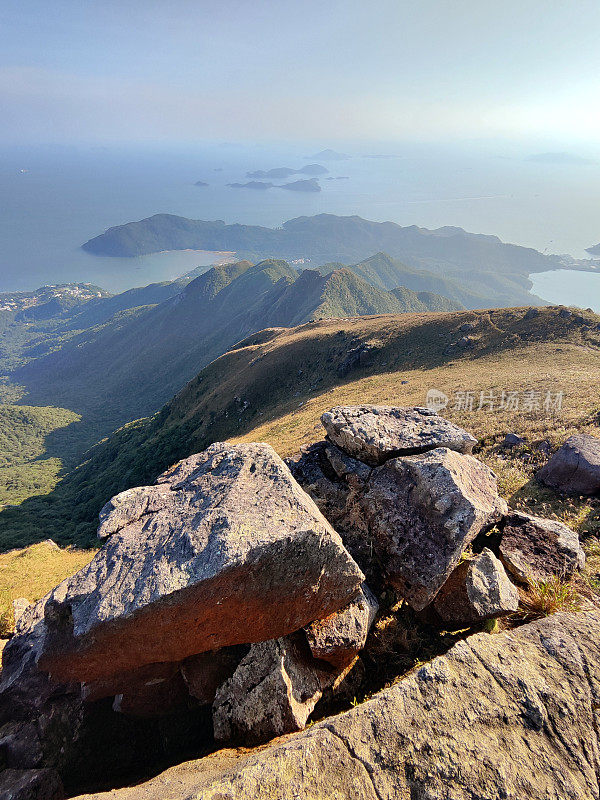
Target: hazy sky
(146, 70)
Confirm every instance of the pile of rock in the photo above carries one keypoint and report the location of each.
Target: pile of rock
(227, 586)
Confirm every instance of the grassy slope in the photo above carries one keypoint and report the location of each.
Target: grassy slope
(31, 573)
(275, 385)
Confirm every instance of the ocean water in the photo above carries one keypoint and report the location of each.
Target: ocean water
(53, 199)
(565, 287)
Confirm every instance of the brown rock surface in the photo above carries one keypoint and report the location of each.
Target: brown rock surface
(477, 589)
(533, 548)
(374, 434)
(273, 691)
(514, 715)
(339, 637)
(225, 549)
(423, 511)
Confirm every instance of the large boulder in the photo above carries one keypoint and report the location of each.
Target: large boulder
(273, 691)
(575, 467)
(374, 434)
(423, 511)
(514, 715)
(534, 548)
(339, 637)
(224, 549)
(477, 589)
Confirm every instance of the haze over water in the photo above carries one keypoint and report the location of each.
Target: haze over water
(68, 195)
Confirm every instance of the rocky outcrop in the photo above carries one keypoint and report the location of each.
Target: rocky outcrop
(575, 467)
(478, 589)
(30, 784)
(339, 637)
(224, 585)
(512, 715)
(536, 549)
(423, 511)
(374, 434)
(224, 549)
(273, 691)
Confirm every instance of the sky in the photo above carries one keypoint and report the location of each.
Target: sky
(332, 70)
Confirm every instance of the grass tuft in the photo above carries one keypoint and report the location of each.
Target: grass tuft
(546, 597)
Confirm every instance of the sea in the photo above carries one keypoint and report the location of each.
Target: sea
(54, 198)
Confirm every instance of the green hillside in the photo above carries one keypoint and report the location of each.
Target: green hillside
(130, 364)
(30, 440)
(274, 385)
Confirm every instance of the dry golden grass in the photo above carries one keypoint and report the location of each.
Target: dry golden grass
(32, 572)
(542, 598)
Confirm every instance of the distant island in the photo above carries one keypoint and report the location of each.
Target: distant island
(593, 251)
(310, 185)
(201, 183)
(329, 155)
(261, 185)
(285, 172)
(560, 158)
(338, 178)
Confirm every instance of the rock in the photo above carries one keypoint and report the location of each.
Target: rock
(565, 313)
(533, 548)
(532, 313)
(423, 511)
(356, 357)
(575, 467)
(20, 745)
(465, 341)
(205, 672)
(336, 495)
(478, 589)
(273, 691)
(512, 440)
(339, 637)
(514, 715)
(155, 697)
(466, 327)
(224, 549)
(374, 434)
(30, 784)
(544, 447)
(20, 606)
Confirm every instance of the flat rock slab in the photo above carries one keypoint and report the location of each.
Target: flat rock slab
(534, 548)
(339, 637)
(374, 434)
(575, 467)
(423, 511)
(477, 589)
(513, 715)
(224, 549)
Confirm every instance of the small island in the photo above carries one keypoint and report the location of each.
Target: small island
(594, 250)
(329, 155)
(285, 172)
(260, 185)
(201, 183)
(310, 185)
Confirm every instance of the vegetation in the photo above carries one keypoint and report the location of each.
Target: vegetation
(32, 572)
(542, 598)
(274, 386)
(28, 438)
